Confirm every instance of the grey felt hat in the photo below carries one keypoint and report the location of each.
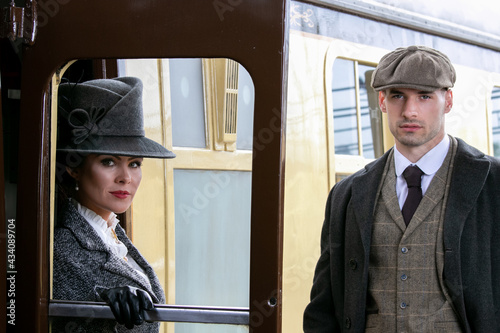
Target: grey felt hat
(415, 67)
(105, 117)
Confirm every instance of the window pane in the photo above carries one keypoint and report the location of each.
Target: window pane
(344, 108)
(369, 118)
(209, 328)
(188, 112)
(495, 120)
(246, 98)
(212, 237)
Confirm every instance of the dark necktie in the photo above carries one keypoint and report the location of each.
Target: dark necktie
(413, 177)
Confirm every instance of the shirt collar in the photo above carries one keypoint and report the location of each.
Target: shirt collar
(429, 163)
(94, 219)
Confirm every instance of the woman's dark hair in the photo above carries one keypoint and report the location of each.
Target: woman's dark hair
(65, 184)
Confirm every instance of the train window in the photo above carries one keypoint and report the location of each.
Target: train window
(495, 118)
(357, 122)
(191, 216)
(186, 94)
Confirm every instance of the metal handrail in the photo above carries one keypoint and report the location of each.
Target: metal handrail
(170, 313)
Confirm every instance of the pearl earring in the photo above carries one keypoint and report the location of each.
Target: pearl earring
(76, 187)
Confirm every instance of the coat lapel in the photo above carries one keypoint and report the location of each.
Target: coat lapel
(470, 171)
(365, 188)
(468, 178)
(88, 239)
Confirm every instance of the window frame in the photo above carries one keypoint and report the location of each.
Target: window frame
(342, 165)
(149, 32)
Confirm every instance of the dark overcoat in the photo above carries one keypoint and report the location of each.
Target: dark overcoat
(83, 265)
(471, 242)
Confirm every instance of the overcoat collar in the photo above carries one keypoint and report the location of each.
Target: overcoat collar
(470, 171)
(364, 192)
(469, 176)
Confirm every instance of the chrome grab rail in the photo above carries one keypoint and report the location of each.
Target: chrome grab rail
(170, 313)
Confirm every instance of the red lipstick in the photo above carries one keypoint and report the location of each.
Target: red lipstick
(120, 194)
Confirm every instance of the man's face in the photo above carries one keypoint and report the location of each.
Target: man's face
(416, 118)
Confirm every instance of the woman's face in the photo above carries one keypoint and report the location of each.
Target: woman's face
(107, 183)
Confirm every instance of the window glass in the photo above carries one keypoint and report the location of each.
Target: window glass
(344, 108)
(209, 328)
(355, 120)
(188, 111)
(366, 117)
(246, 95)
(190, 218)
(212, 237)
(495, 120)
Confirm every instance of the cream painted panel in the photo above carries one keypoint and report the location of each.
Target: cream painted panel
(468, 118)
(306, 175)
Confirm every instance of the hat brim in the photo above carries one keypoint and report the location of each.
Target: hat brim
(136, 146)
(419, 87)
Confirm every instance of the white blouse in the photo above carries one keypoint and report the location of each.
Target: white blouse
(108, 235)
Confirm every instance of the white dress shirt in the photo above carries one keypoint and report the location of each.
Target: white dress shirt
(429, 164)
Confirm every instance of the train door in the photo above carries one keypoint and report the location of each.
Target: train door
(164, 42)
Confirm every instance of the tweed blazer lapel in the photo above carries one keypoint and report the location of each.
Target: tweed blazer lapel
(154, 286)
(88, 239)
(83, 232)
(365, 188)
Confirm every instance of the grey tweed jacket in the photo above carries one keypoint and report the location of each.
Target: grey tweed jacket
(471, 241)
(83, 266)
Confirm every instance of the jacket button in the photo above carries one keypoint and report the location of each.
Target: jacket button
(347, 322)
(353, 264)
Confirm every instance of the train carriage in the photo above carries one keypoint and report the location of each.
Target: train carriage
(266, 104)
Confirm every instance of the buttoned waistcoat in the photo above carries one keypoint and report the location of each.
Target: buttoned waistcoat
(471, 242)
(83, 265)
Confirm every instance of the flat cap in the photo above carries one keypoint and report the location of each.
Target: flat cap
(414, 67)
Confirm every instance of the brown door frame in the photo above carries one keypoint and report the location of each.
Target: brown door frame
(253, 33)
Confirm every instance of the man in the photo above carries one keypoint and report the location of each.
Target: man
(392, 260)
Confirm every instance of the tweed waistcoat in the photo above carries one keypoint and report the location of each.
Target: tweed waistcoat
(406, 292)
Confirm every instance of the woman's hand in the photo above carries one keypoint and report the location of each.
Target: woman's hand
(128, 304)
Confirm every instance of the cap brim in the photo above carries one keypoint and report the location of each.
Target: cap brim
(135, 146)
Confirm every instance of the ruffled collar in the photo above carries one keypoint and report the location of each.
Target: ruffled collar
(94, 219)
(105, 232)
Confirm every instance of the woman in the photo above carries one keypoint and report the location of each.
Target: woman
(101, 145)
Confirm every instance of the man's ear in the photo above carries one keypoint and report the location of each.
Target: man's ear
(448, 100)
(381, 101)
(73, 172)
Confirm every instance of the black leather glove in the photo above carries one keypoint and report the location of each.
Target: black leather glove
(128, 304)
